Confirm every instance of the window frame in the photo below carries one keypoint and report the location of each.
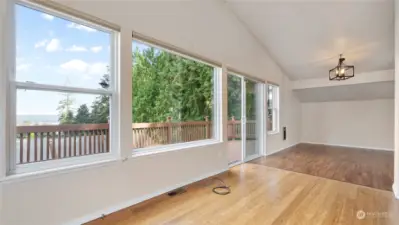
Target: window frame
(13, 86)
(275, 108)
(217, 101)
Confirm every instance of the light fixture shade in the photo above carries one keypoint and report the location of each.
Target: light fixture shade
(342, 71)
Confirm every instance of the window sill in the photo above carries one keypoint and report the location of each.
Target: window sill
(173, 147)
(56, 171)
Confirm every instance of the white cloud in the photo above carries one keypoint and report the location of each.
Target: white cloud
(81, 27)
(97, 69)
(47, 17)
(54, 45)
(87, 69)
(41, 44)
(75, 65)
(23, 66)
(96, 49)
(76, 48)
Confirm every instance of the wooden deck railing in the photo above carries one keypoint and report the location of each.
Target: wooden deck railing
(50, 142)
(153, 134)
(234, 129)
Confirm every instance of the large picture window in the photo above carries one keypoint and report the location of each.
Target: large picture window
(173, 98)
(273, 109)
(63, 88)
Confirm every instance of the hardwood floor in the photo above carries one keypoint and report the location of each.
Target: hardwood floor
(265, 195)
(370, 168)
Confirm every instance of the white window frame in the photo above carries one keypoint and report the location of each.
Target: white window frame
(11, 166)
(217, 108)
(275, 108)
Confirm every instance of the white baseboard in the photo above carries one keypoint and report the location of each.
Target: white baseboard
(281, 149)
(252, 157)
(395, 191)
(134, 201)
(347, 146)
(245, 160)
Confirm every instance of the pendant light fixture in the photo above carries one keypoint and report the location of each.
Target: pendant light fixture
(342, 71)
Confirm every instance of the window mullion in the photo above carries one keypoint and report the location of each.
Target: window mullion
(46, 87)
(123, 138)
(274, 105)
(10, 106)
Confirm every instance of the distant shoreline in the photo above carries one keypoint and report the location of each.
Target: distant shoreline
(37, 119)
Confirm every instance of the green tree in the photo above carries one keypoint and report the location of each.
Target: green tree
(65, 113)
(67, 118)
(165, 85)
(100, 106)
(83, 115)
(250, 101)
(234, 97)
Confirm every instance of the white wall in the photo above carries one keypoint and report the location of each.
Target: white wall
(67, 197)
(365, 124)
(206, 28)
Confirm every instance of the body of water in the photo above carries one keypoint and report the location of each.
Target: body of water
(36, 119)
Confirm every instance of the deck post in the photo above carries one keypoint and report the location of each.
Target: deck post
(169, 127)
(233, 128)
(208, 127)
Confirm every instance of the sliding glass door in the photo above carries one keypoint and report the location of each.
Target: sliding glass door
(253, 119)
(246, 119)
(234, 131)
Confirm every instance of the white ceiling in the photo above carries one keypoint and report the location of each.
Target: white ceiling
(354, 92)
(306, 37)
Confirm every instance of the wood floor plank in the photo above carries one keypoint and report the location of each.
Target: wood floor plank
(371, 168)
(266, 196)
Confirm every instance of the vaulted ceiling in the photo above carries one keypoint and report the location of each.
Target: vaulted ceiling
(306, 37)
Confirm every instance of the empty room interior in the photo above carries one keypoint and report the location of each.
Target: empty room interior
(122, 112)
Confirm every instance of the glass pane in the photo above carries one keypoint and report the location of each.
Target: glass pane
(172, 98)
(253, 118)
(274, 128)
(234, 152)
(54, 125)
(270, 120)
(51, 50)
(270, 110)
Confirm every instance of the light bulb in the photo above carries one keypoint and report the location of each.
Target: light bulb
(342, 71)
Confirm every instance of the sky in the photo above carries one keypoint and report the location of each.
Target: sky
(52, 50)
(55, 51)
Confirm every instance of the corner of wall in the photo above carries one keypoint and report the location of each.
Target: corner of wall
(281, 149)
(395, 190)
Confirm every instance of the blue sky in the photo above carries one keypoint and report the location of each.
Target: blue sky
(55, 51)
(52, 50)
